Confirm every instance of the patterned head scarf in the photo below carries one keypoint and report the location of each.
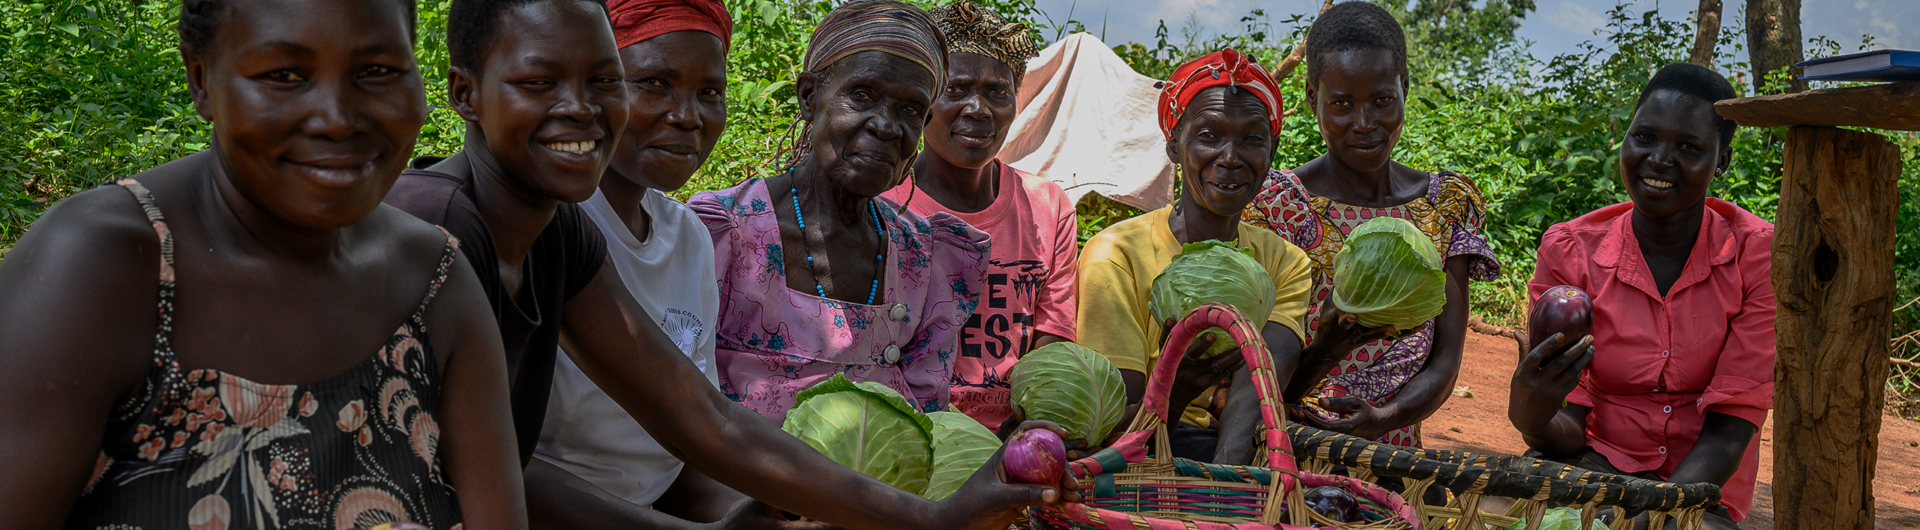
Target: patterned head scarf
(639, 20)
(879, 26)
(974, 29)
(886, 26)
(1223, 68)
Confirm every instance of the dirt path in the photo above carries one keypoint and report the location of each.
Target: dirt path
(1479, 423)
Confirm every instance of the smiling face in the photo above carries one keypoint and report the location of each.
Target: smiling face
(549, 98)
(866, 113)
(1359, 100)
(315, 105)
(1224, 147)
(1671, 154)
(973, 112)
(677, 107)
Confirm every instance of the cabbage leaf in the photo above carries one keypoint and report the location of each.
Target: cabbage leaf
(960, 446)
(1073, 386)
(1388, 273)
(1211, 271)
(868, 428)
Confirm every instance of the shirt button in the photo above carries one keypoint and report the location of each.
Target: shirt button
(1668, 410)
(893, 354)
(1663, 354)
(1663, 449)
(898, 313)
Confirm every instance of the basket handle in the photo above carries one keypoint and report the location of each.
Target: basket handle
(1152, 420)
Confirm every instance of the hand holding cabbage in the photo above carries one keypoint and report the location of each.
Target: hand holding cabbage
(1207, 272)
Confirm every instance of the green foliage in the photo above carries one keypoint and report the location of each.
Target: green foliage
(95, 91)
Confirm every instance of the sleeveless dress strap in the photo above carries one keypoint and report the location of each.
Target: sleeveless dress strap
(447, 256)
(166, 374)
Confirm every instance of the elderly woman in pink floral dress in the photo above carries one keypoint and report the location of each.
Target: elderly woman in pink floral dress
(1356, 86)
(818, 274)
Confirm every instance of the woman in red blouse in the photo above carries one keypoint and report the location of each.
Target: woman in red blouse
(1677, 377)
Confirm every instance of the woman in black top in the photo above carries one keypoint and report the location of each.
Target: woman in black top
(539, 84)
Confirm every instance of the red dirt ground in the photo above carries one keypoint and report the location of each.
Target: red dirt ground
(1479, 423)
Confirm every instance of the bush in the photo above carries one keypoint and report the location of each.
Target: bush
(95, 91)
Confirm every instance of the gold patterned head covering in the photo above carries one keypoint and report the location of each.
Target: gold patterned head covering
(974, 29)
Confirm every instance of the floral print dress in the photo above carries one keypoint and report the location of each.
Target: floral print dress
(1450, 214)
(207, 450)
(772, 341)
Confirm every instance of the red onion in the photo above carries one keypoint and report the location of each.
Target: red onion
(1035, 456)
(1563, 309)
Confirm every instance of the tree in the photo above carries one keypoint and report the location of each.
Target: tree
(1773, 39)
(1474, 31)
(1708, 35)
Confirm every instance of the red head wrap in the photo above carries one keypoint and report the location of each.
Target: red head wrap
(1223, 68)
(638, 20)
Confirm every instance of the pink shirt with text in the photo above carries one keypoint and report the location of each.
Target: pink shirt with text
(1029, 285)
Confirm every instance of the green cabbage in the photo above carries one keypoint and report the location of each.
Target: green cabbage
(868, 428)
(1388, 273)
(1073, 386)
(1207, 272)
(960, 446)
(1562, 518)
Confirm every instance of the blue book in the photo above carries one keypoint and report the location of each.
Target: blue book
(1877, 65)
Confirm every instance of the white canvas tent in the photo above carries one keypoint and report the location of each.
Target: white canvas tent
(1087, 122)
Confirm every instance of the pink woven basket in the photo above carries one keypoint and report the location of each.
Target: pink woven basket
(1124, 488)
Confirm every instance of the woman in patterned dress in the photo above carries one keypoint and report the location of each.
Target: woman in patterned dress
(1356, 85)
(292, 382)
(819, 275)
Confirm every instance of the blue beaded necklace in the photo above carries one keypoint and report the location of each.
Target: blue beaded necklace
(880, 258)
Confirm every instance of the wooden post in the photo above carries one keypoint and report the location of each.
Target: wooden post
(1833, 280)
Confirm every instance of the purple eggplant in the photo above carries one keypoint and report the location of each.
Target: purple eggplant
(1564, 309)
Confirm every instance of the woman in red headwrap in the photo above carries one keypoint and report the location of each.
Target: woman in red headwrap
(1220, 115)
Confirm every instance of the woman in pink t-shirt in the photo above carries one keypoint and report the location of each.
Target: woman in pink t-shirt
(1028, 298)
(1677, 377)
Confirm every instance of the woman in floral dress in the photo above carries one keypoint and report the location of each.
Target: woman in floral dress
(1356, 87)
(819, 274)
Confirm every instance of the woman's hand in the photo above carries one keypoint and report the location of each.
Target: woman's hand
(1541, 385)
(1197, 374)
(1356, 417)
(1340, 333)
(988, 502)
(1076, 448)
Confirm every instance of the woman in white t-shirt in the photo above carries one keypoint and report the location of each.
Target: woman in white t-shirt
(595, 467)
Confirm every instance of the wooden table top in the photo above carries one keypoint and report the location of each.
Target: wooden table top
(1884, 106)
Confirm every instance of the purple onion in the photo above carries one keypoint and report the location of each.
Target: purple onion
(1035, 456)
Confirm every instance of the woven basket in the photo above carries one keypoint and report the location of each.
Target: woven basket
(1534, 484)
(1122, 487)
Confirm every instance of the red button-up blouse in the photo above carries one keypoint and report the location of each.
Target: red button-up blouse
(1661, 363)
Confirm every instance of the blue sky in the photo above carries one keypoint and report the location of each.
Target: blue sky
(1558, 26)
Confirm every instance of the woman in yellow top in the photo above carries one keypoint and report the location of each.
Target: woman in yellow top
(1220, 115)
